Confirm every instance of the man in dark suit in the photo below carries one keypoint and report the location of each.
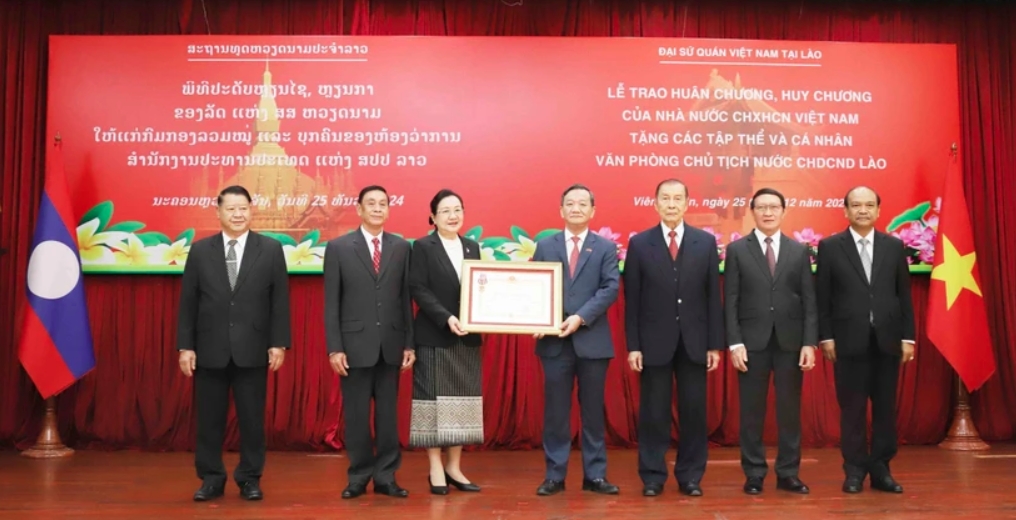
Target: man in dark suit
(233, 325)
(769, 299)
(584, 348)
(674, 327)
(866, 327)
(369, 332)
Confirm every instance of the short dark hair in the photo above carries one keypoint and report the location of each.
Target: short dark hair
(846, 198)
(368, 189)
(672, 181)
(768, 191)
(573, 187)
(441, 195)
(233, 190)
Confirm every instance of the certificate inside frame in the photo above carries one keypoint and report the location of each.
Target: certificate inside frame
(472, 280)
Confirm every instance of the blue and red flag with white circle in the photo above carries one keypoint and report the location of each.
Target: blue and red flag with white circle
(56, 339)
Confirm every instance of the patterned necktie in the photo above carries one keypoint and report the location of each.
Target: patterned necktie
(770, 256)
(574, 258)
(377, 255)
(673, 245)
(866, 259)
(231, 264)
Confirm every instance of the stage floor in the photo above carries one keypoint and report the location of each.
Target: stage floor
(152, 486)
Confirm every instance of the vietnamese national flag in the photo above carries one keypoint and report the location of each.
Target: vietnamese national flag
(56, 340)
(957, 318)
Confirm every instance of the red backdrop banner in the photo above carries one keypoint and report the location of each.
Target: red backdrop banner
(155, 126)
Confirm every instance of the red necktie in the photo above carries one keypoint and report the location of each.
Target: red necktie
(770, 256)
(574, 258)
(673, 245)
(377, 255)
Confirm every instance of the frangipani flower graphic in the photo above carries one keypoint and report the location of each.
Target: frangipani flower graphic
(304, 253)
(169, 254)
(131, 251)
(96, 248)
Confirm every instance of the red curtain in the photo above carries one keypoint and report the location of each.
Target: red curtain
(137, 397)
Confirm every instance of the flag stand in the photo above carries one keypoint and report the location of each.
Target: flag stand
(963, 434)
(48, 445)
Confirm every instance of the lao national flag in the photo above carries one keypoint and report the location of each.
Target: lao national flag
(56, 339)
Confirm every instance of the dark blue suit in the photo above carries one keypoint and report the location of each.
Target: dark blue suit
(673, 315)
(584, 354)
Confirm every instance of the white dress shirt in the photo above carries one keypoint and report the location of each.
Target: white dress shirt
(776, 242)
(453, 247)
(370, 240)
(667, 230)
(570, 245)
(241, 244)
(871, 243)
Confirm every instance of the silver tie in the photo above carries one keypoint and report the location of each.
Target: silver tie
(866, 259)
(231, 264)
(866, 262)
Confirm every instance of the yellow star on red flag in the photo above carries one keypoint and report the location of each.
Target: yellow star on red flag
(957, 271)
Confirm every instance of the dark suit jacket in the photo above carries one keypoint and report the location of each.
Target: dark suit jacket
(589, 294)
(436, 288)
(659, 310)
(845, 298)
(218, 323)
(368, 315)
(755, 300)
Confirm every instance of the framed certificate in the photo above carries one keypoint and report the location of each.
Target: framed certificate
(512, 297)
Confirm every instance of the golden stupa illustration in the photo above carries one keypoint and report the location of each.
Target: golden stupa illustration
(743, 181)
(271, 176)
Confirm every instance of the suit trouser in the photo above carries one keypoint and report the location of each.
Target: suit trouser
(754, 396)
(380, 383)
(559, 374)
(211, 393)
(655, 419)
(872, 375)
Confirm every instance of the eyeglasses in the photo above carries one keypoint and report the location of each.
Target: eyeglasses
(768, 208)
(445, 212)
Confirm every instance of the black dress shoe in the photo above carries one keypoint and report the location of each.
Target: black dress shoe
(550, 487)
(354, 490)
(251, 490)
(691, 489)
(600, 486)
(886, 483)
(208, 491)
(652, 490)
(437, 490)
(391, 489)
(792, 484)
(753, 486)
(462, 486)
(853, 485)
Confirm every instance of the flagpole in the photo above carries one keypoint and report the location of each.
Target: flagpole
(48, 445)
(963, 435)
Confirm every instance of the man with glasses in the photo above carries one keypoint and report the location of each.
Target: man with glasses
(772, 327)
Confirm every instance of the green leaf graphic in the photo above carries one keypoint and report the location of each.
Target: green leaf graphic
(128, 226)
(153, 238)
(519, 232)
(495, 242)
(544, 234)
(475, 233)
(285, 239)
(314, 236)
(498, 255)
(911, 215)
(187, 235)
(102, 211)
